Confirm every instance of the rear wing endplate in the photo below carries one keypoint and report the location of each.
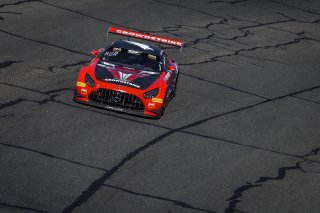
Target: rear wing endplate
(145, 36)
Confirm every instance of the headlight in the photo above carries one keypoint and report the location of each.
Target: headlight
(89, 80)
(151, 94)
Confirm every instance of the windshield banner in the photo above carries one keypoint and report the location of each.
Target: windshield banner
(144, 36)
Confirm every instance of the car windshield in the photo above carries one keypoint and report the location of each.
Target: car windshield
(132, 58)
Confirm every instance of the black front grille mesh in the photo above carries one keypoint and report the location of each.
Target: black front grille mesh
(117, 99)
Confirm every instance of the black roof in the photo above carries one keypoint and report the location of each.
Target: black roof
(133, 45)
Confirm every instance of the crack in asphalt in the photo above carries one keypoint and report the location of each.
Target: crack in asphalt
(19, 2)
(223, 85)
(269, 25)
(6, 64)
(23, 208)
(11, 103)
(189, 8)
(282, 172)
(66, 9)
(86, 15)
(315, 102)
(296, 8)
(65, 66)
(227, 141)
(8, 115)
(44, 43)
(214, 34)
(244, 30)
(175, 202)
(12, 13)
(237, 52)
(211, 38)
(98, 183)
(227, 2)
(45, 154)
(297, 20)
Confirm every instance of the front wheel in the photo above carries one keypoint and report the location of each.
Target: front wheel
(164, 104)
(175, 86)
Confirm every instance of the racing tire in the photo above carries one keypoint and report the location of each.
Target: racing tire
(175, 86)
(164, 105)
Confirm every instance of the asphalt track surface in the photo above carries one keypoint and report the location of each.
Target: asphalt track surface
(242, 135)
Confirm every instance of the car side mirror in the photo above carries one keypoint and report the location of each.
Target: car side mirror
(95, 52)
(171, 68)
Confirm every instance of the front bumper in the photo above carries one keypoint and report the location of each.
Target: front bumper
(106, 103)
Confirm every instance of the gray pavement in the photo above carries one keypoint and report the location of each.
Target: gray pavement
(242, 134)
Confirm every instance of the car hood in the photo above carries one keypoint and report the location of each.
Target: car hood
(125, 76)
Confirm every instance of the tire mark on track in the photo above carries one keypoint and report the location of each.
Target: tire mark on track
(315, 102)
(45, 154)
(23, 208)
(175, 202)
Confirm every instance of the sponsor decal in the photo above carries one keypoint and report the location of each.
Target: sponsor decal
(114, 108)
(145, 36)
(142, 46)
(151, 105)
(157, 100)
(134, 52)
(81, 84)
(122, 82)
(83, 91)
(116, 49)
(111, 53)
(125, 76)
(152, 57)
(105, 64)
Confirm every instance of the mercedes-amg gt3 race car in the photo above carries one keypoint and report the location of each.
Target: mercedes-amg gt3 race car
(130, 77)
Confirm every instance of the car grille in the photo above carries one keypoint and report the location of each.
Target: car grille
(117, 99)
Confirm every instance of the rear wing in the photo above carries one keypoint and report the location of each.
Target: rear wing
(145, 36)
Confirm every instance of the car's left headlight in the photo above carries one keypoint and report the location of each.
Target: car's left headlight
(89, 80)
(151, 94)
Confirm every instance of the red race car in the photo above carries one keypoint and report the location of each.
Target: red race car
(130, 77)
